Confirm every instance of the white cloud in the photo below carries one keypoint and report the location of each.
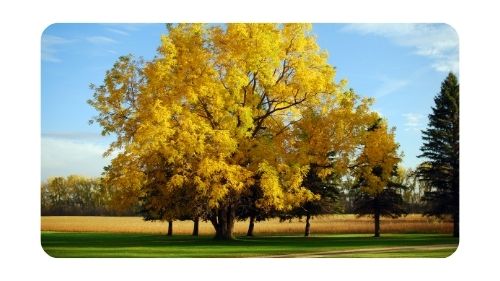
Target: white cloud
(99, 40)
(50, 56)
(125, 27)
(64, 156)
(76, 136)
(50, 44)
(439, 42)
(50, 40)
(118, 31)
(446, 65)
(413, 122)
(389, 86)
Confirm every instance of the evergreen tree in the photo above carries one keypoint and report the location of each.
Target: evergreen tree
(329, 194)
(441, 153)
(159, 202)
(387, 202)
(376, 176)
(248, 208)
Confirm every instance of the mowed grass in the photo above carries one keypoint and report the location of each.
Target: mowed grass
(116, 245)
(331, 236)
(330, 224)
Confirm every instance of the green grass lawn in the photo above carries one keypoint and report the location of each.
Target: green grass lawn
(113, 245)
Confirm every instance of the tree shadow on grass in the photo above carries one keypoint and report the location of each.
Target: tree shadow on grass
(144, 245)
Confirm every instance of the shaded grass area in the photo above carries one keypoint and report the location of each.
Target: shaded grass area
(116, 245)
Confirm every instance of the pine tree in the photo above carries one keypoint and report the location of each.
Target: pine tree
(376, 173)
(248, 208)
(441, 151)
(387, 202)
(328, 192)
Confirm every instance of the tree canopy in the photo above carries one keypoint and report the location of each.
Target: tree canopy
(222, 110)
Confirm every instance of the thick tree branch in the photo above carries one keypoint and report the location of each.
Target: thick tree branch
(270, 111)
(283, 71)
(209, 115)
(282, 130)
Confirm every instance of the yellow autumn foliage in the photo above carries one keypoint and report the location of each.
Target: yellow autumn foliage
(378, 159)
(223, 108)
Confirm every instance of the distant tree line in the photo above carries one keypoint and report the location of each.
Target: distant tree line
(78, 196)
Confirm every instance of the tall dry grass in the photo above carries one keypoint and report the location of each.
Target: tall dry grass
(321, 224)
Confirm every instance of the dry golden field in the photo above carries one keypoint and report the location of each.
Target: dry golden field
(321, 224)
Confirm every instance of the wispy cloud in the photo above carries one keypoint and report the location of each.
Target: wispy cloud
(100, 40)
(439, 42)
(133, 26)
(118, 31)
(389, 86)
(50, 40)
(124, 27)
(50, 47)
(64, 156)
(75, 136)
(414, 122)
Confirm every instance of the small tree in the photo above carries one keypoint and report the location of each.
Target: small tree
(326, 139)
(386, 203)
(155, 205)
(327, 194)
(375, 171)
(441, 151)
(248, 208)
(163, 199)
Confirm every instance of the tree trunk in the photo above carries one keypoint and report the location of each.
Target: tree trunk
(377, 224)
(170, 228)
(223, 223)
(196, 226)
(456, 202)
(251, 226)
(308, 226)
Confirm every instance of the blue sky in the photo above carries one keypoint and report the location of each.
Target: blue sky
(400, 65)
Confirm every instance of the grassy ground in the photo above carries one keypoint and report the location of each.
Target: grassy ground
(330, 224)
(87, 244)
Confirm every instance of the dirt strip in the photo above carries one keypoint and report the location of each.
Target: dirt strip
(364, 251)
